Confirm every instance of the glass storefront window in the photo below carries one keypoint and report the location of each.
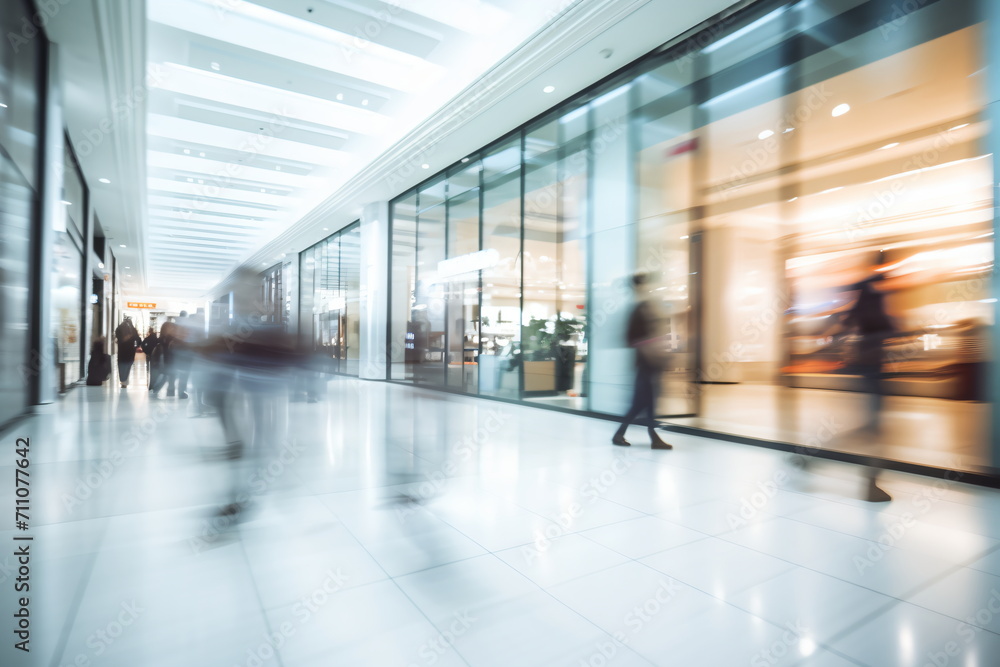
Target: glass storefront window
(760, 178)
(330, 290)
(67, 278)
(21, 69)
(500, 330)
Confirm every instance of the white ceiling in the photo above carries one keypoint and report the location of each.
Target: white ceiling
(260, 110)
(353, 98)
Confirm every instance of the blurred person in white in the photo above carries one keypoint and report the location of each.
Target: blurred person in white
(646, 334)
(185, 338)
(247, 378)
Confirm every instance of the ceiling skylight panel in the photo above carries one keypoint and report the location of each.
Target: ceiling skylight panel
(261, 29)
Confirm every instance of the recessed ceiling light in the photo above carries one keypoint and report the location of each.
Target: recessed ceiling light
(201, 182)
(216, 66)
(201, 155)
(187, 151)
(190, 180)
(100, 265)
(765, 134)
(127, 267)
(340, 97)
(892, 145)
(104, 180)
(425, 166)
(364, 102)
(464, 160)
(326, 229)
(958, 127)
(278, 167)
(548, 89)
(263, 190)
(121, 245)
(840, 110)
(68, 203)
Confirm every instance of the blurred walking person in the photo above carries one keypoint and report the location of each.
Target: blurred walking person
(184, 338)
(870, 320)
(247, 381)
(646, 335)
(161, 365)
(149, 343)
(128, 342)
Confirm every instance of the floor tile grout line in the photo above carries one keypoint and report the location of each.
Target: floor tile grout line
(78, 597)
(533, 582)
(256, 593)
(397, 585)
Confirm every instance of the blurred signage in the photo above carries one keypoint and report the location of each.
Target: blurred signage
(683, 147)
(141, 304)
(474, 261)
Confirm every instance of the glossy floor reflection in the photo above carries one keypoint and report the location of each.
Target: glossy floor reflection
(935, 432)
(406, 527)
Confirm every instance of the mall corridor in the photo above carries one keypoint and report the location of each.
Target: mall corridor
(514, 333)
(521, 538)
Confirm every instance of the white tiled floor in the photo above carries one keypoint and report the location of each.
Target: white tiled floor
(537, 543)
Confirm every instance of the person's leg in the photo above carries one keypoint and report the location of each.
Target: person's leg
(122, 373)
(634, 410)
(182, 368)
(652, 397)
(871, 373)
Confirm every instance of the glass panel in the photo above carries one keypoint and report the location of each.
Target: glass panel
(332, 303)
(554, 299)
(350, 276)
(668, 148)
(429, 310)
(895, 198)
(20, 75)
(307, 305)
(404, 334)
(16, 214)
(499, 362)
(463, 285)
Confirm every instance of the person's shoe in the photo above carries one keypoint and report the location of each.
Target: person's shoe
(183, 394)
(620, 441)
(876, 495)
(659, 444)
(123, 385)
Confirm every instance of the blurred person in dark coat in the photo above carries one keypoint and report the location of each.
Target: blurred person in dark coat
(149, 343)
(161, 366)
(870, 320)
(646, 336)
(128, 342)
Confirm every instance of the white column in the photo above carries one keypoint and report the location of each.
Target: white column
(374, 290)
